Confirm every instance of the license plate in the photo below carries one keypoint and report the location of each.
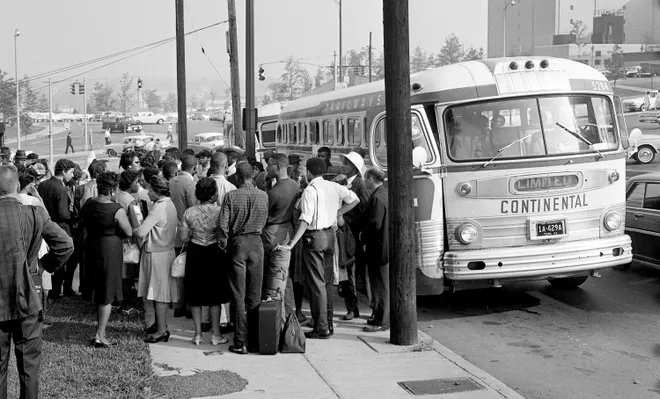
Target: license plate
(549, 229)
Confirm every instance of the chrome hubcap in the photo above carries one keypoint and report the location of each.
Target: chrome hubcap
(645, 155)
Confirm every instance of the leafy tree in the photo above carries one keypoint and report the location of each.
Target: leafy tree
(152, 99)
(29, 99)
(579, 30)
(378, 66)
(169, 105)
(293, 83)
(615, 70)
(7, 95)
(42, 104)
(419, 60)
(452, 52)
(266, 99)
(472, 54)
(102, 97)
(213, 96)
(320, 77)
(126, 95)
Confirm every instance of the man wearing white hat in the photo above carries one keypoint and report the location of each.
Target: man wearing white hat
(353, 165)
(232, 152)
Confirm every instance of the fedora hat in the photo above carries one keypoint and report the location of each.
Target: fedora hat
(20, 154)
(231, 148)
(356, 160)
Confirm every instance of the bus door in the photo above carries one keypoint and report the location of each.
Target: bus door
(428, 199)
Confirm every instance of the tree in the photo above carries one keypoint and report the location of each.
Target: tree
(472, 54)
(615, 69)
(579, 30)
(320, 77)
(419, 60)
(152, 99)
(266, 99)
(452, 52)
(7, 95)
(29, 99)
(42, 104)
(378, 66)
(169, 105)
(126, 95)
(213, 96)
(293, 83)
(102, 97)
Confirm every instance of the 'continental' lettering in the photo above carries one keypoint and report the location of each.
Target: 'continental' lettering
(538, 205)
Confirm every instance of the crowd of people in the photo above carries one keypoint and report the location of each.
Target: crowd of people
(124, 229)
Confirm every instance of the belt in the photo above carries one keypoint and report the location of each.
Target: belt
(315, 231)
(277, 224)
(247, 234)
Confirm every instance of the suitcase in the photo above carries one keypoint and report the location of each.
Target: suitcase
(270, 315)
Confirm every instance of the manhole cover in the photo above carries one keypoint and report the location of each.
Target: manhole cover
(440, 386)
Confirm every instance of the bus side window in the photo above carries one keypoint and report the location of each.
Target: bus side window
(279, 134)
(328, 132)
(303, 132)
(295, 133)
(341, 136)
(380, 142)
(313, 132)
(354, 132)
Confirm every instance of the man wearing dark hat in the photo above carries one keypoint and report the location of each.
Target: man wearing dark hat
(203, 163)
(31, 159)
(20, 158)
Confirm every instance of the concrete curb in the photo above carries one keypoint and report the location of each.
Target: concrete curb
(478, 373)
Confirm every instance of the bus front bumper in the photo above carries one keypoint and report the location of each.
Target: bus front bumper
(538, 261)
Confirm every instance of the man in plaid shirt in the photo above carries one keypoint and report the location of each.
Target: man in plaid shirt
(22, 228)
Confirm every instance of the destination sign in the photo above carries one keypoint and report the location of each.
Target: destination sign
(539, 205)
(545, 183)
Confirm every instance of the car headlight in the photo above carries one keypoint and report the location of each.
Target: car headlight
(612, 220)
(466, 233)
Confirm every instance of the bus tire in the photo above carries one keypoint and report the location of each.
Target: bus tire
(567, 282)
(645, 154)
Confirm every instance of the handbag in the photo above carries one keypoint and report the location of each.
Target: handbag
(131, 252)
(292, 339)
(179, 264)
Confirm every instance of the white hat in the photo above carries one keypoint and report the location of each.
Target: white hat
(139, 143)
(356, 160)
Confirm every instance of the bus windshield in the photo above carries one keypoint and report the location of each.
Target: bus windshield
(530, 127)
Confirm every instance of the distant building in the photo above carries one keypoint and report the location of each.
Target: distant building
(608, 27)
(598, 56)
(642, 21)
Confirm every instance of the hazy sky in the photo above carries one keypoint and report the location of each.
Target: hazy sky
(56, 34)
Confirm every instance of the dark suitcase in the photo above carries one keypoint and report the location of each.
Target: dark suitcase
(270, 319)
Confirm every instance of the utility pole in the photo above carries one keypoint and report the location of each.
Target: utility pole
(403, 301)
(369, 56)
(334, 70)
(341, 76)
(232, 49)
(182, 122)
(87, 141)
(250, 109)
(50, 124)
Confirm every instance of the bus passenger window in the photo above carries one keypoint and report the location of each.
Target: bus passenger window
(295, 133)
(328, 132)
(418, 138)
(303, 133)
(380, 142)
(279, 134)
(313, 132)
(340, 132)
(354, 132)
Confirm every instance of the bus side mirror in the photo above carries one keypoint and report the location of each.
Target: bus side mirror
(635, 136)
(419, 157)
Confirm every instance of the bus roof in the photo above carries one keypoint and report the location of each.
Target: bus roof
(463, 81)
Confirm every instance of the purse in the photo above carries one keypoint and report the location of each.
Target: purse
(179, 264)
(292, 339)
(131, 252)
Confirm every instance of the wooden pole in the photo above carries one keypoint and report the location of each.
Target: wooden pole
(235, 77)
(369, 56)
(403, 302)
(250, 117)
(182, 123)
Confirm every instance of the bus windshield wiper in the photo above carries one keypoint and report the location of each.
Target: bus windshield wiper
(580, 137)
(503, 149)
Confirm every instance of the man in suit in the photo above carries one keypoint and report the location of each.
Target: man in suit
(58, 204)
(353, 164)
(69, 143)
(376, 237)
(26, 226)
(233, 153)
(182, 193)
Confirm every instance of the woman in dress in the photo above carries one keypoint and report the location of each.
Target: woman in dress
(197, 229)
(104, 220)
(156, 282)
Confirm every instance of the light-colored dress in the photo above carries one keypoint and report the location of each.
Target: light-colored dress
(159, 227)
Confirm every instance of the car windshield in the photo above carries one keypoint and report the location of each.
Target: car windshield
(530, 127)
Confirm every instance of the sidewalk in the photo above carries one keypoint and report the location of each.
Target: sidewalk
(352, 364)
(39, 134)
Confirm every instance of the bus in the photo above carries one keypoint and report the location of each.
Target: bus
(519, 167)
(266, 127)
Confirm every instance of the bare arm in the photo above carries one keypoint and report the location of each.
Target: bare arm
(184, 229)
(347, 207)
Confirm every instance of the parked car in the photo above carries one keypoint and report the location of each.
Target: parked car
(128, 144)
(149, 118)
(122, 125)
(637, 103)
(206, 140)
(643, 218)
(643, 147)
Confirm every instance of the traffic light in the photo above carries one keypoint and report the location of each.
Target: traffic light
(356, 71)
(261, 74)
(139, 83)
(81, 89)
(73, 89)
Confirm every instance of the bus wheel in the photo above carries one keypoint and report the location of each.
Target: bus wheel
(645, 154)
(568, 282)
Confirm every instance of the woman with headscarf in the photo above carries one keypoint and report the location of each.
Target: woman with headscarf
(156, 282)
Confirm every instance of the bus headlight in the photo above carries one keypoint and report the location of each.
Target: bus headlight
(464, 189)
(466, 233)
(614, 176)
(612, 220)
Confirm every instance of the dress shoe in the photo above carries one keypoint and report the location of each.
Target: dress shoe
(349, 316)
(206, 327)
(318, 335)
(197, 339)
(97, 343)
(215, 341)
(373, 328)
(179, 312)
(153, 340)
(241, 351)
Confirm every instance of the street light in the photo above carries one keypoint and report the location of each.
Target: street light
(17, 33)
(509, 3)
